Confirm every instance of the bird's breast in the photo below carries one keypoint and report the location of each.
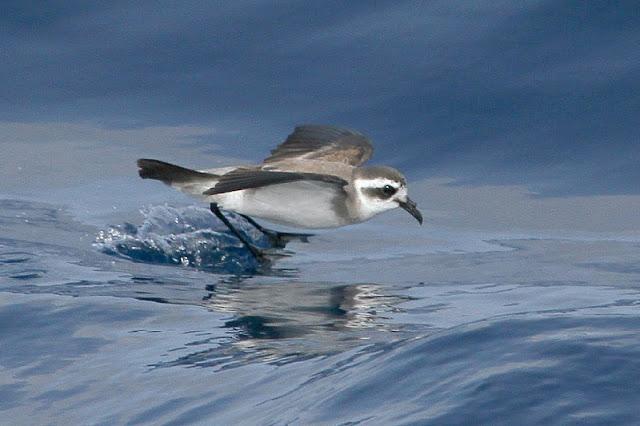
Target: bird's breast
(301, 204)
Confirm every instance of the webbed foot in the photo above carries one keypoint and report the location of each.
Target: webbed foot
(281, 239)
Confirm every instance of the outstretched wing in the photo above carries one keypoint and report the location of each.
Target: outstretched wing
(323, 143)
(239, 179)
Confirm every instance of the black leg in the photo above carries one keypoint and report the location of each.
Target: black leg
(254, 251)
(277, 239)
(254, 223)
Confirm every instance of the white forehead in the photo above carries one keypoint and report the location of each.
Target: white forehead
(376, 183)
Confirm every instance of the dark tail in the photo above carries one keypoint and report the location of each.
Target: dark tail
(169, 173)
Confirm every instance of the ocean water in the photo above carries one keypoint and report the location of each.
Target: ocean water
(123, 302)
(162, 317)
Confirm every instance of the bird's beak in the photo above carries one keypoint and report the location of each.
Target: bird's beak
(410, 206)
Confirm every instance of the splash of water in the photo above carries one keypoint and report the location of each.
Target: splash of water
(187, 236)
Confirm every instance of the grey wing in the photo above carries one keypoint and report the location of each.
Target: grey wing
(255, 178)
(323, 143)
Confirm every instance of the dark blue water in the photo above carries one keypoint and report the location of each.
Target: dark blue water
(163, 318)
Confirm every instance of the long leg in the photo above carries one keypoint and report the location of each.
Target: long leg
(254, 223)
(254, 251)
(278, 239)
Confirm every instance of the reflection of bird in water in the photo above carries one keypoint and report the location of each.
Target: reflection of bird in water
(314, 179)
(301, 317)
(299, 308)
(284, 321)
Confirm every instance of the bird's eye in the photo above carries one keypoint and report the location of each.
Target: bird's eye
(388, 190)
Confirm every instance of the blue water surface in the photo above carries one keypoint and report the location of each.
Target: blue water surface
(166, 319)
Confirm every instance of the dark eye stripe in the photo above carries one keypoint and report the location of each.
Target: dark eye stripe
(383, 193)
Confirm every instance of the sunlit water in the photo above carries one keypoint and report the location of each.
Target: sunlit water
(169, 320)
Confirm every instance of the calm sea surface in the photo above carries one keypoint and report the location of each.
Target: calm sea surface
(166, 320)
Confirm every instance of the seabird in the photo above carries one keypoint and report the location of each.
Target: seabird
(314, 179)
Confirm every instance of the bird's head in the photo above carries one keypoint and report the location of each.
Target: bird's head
(382, 188)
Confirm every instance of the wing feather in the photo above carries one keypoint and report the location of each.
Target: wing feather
(323, 143)
(243, 178)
